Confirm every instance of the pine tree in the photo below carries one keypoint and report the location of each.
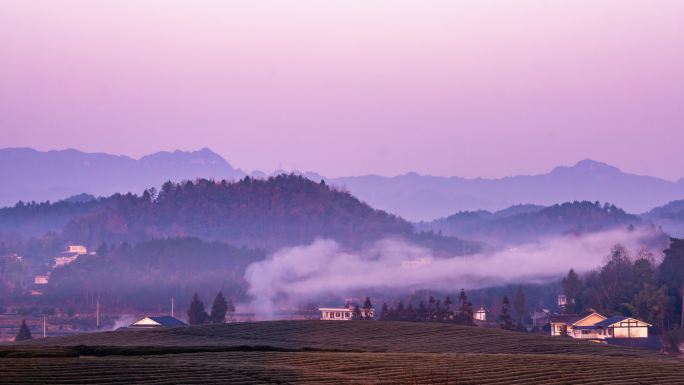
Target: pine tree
(448, 313)
(506, 321)
(465, 314)
(519, 304)
(431, 308)
(356, 313)
(400, 311)
(367, 306)
(230, 309)
(572, 286)
(218, 309)
(410, 314)
(24, 332)
(422, 312)
(196, 313)
(384, 313)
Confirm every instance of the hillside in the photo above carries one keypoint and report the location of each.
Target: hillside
(670, 217)
(146, 275)
(527, 223)
(373, 352)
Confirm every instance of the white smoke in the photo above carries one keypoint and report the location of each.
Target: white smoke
(323, 267)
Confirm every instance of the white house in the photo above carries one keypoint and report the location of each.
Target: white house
(343, 313)
(156, 322)
(480, 314)
(70, 255)
(597, 327)
(63, 261)
(41, 279)
(77, 249)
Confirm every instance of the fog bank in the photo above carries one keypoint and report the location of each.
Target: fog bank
(297, 274)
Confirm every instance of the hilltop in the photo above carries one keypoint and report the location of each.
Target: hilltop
(371, 352)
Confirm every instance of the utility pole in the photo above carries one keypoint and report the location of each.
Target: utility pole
(44, 327)
(97, 314)
(172, 306)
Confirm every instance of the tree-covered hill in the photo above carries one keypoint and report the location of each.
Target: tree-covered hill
(670, 217)
(147, 274)
(280, 211)
(268, 213)
(521, 224)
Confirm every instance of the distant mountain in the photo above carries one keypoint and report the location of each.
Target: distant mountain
(285, 210)
(421, 197)
(670, 217)
(529, 223)
(38, 176)
(30, 175)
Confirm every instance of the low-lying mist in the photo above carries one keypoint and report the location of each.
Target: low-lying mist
(295, 275)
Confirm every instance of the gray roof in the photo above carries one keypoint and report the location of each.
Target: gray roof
(167, 320)
(609, 321)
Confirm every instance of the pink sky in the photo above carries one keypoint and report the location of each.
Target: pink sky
(470, 88)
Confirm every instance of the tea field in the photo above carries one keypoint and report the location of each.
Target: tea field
(318, 352)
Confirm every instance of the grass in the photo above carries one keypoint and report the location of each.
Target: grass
(331, 352)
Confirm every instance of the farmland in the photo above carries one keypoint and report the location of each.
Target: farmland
(330, 352)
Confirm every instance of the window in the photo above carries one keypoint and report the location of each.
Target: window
(337, 315)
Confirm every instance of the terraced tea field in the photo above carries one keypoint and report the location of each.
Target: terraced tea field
(331, 352)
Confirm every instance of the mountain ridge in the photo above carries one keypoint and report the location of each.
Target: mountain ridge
(57, 174)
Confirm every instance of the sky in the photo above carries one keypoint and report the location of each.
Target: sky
(468, 88)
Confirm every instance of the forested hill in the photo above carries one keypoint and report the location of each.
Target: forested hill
(279, 211)
(529, 223)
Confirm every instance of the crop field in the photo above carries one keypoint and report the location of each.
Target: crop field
(331, 352)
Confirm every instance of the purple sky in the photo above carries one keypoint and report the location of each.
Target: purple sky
(470, 88)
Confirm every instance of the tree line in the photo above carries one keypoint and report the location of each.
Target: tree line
(436, 310)
(633, 285)
(197, 315)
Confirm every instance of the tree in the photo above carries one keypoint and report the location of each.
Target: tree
(367, 306)
(24, 332)
(384, 313)
(572, 286)
(356, 313)
(672, 273)
(465, 314)
(400, 311)
(196, 313)
(519, 304)
(448, 313)
(431, 308)
(218, 309)
(230, 308)
(422, 312)
(506, 321)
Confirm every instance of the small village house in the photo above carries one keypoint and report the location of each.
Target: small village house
(343, 313)
(157, 322)
(597, 327)
(41, 279)
(70, 255)
(480, 314)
